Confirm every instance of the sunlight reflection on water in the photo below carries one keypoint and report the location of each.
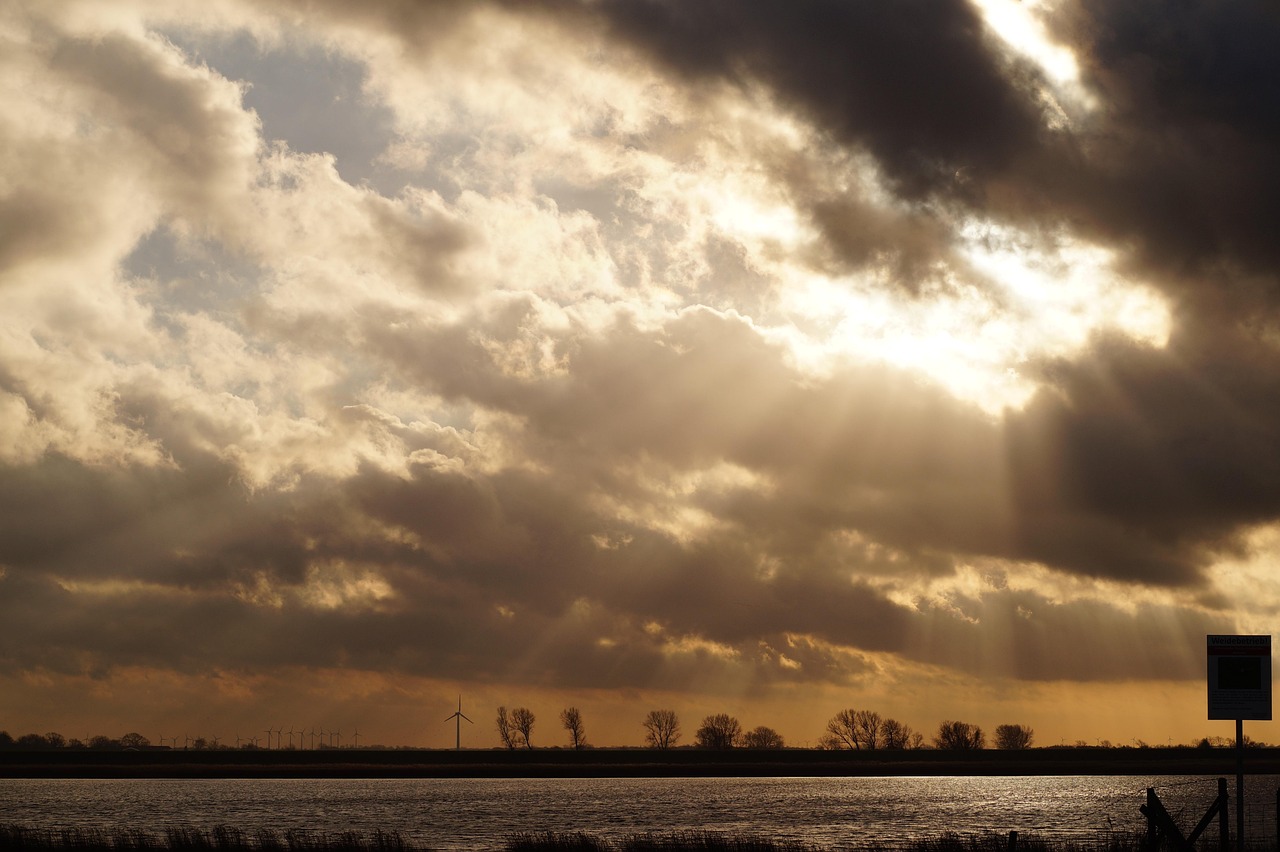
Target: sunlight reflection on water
(835, 813)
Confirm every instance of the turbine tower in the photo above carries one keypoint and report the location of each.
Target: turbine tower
(457, 721)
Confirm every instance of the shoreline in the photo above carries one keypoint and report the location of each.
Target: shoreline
(626, 762)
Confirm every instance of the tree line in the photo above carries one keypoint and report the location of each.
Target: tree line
(852, 729)
(862, 730)
(54, 740)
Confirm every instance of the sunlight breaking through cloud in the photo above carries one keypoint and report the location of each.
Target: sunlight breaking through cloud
(708, 351)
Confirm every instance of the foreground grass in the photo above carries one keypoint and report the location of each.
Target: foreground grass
(14, 838)
(714, 842)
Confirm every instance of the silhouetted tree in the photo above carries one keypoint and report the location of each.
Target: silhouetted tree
(31, 741)
(134, 740)
(856, 729)
(1221, 742)
(6, 739)
(720, 731)
(572, 721)
(840, 733)
(505, 732)
(661, 728)
(55, 740)
(103, 742)
(868, 723)
(522, 721)
(762, 737)
(894, 734)
(1013, 736)
(959, 736)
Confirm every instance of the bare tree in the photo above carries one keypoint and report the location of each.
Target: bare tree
(572, 721)
(134, 740)
(840, 732)
(1014, 737)
(720, 731)
(522, 721)
(762, 737)
(896, 735)
(959, 736)
(854, 729)
(505, 732)
(661, 728)
(868, 724)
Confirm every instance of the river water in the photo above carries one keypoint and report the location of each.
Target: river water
(479, 814)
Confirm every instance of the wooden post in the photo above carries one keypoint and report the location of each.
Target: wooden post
(1013, 841)
(1239, 785)
(1224, 823)
(1149, 811)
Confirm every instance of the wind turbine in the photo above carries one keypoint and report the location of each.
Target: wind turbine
(457, 721)
(356, 736)
(291, 737)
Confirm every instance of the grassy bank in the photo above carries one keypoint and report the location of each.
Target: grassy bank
(14, 838)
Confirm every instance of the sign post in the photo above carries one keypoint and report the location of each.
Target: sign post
(1239, 675)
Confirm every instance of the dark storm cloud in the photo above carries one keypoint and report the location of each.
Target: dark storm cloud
(1140, 463)
(915, 82)
(1146, 461)
(1183, 162)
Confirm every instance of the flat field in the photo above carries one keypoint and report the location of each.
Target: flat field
(622, 762)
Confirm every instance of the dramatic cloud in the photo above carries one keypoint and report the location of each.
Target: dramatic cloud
(633, 353)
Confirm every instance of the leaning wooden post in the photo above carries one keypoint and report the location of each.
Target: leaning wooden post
(1153, 833)
(1224, 822)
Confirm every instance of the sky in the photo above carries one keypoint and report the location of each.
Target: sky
(760, 357)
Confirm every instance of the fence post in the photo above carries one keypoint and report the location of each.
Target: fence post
(1013, 841)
